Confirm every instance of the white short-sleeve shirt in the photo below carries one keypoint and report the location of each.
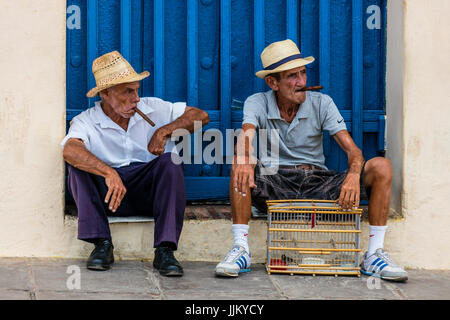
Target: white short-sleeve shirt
(112, 144)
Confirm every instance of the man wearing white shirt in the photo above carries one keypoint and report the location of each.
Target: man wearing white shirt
(121, 165)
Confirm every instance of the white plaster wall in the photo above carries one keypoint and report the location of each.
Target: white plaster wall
(427, 132)
(419, 130)
(32, 112)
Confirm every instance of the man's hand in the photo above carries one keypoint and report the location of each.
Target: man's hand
(76, 154)
(243, 175)
(116, 190)
(350, 192)
(157, 143)
(186, 121)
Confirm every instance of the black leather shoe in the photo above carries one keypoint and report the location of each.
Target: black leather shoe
(166, 263)
(102, 256)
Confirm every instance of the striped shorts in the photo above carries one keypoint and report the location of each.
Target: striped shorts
(291, 183)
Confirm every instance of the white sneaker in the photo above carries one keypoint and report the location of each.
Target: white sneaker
(236, 261)
(380, 265)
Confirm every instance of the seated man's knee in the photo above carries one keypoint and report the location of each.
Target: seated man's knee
(167, 169)
(380, 168)
(170, 160)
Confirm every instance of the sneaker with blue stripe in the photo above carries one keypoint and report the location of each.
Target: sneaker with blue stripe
(236, 261)
(380, 265)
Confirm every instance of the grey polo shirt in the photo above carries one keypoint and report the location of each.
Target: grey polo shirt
(301, 140)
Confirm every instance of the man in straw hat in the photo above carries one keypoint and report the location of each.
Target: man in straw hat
(121, 165)
(299, 118)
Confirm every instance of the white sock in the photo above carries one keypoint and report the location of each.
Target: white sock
(240, 232)
(376, 240)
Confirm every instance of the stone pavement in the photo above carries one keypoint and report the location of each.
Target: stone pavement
(64, 279)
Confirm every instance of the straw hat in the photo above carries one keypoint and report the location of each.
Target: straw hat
(281, 56)
(112, 69)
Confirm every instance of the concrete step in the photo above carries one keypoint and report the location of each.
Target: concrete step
(206, 235)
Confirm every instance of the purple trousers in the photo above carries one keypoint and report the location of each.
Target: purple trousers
(153, 189)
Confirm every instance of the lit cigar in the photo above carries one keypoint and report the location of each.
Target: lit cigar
(145, 117)
(311, 88)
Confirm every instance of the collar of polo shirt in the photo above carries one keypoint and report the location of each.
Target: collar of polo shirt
(274, 112)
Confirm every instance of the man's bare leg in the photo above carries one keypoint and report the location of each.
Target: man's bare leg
(378, 175)
(238, 259)
(241, 207)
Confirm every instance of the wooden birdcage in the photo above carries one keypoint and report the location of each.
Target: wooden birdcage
(312, 237)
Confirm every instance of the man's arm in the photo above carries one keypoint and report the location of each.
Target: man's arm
(350, 191)
(244, 163)
(186, 121)
(76, 154)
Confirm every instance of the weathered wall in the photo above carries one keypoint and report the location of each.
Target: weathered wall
(32, 113)
(418, 142)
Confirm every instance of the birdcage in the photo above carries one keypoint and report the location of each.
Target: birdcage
(312, 237)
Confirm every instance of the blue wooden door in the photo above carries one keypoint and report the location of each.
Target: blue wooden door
(206, 52)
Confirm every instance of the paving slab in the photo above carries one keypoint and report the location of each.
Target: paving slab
(14, 275)
(200, 282)
(424, 285)
(79, 295)
(74, 279)
(14, 294)
(330, 287)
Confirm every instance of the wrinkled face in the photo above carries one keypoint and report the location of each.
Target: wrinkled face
(123, 98)
(289, 85)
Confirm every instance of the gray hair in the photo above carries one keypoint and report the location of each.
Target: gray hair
(275, 75)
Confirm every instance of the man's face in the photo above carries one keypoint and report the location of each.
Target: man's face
(123, 98)
(288, 88)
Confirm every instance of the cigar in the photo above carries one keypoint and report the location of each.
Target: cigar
(312, 88)
(145, 117)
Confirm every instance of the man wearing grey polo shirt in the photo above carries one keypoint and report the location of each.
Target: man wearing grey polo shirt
(299, 118)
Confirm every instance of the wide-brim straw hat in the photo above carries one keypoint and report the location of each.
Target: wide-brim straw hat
(281, 56)
(112, 69)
